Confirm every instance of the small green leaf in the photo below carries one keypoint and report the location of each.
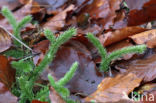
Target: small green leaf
(24, 66)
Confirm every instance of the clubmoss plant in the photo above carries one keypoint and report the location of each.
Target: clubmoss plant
(27, 73)
(16, 25)
(30, 73)
(106, 59)
(59, 85)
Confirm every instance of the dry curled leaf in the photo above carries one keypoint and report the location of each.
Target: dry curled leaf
(115, 89)
(147, 37)
(5, 40)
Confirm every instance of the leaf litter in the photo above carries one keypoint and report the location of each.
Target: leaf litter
(114, 27)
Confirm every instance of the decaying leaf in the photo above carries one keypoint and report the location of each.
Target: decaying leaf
(55, 97)
(7, 74)
(5, 40)
(115, 89)
(147, 37)
(6, 96)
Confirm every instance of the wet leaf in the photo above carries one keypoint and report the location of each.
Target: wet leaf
(7, 74)
(6, 96)
(5, 40)
(115, 89)
(147, 37)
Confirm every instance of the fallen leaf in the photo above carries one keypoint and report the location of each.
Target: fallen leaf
(11, 4)
(146, 14)
(7, 74)
(119, 34)
(147, 37)
(143, 67)
(55, 97)
(6, 96)
(5, 40)
(115, 89)
(58, 21)
(103, 11)
(36, 101)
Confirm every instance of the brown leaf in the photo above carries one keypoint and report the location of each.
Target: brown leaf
(118, 35)
(6, 96)
(36, 101)
(143, 67)
(5, 40)
(58, 21)
(7, 74)
(115, 89)
(55, 97)
(102, 10)
(139, 16)
(147, 37)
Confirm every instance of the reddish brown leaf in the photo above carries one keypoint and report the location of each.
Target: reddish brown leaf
(6, 96)
(58, 21)
(143, 15)
(7, 74)
(55, 97)
(5, 40)
(147, 37)
(143, 67)
(36, 101)
(102, 10)
(118, 35)
(115, 89)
